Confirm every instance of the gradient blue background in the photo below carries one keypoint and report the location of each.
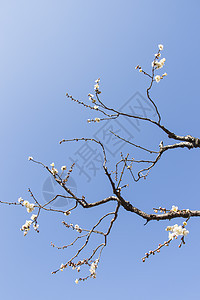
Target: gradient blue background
(49, 48)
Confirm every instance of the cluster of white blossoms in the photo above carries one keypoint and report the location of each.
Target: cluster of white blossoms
(91, 98)
(27, 225)
(93, 268)
(77, 228)
(159, 64)
(94, 120)
(29, 206)
(96, 86)
(177, 230)
(54, 171)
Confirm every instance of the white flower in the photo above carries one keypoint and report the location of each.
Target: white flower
(174, 208)
(90, 95)
(30, 208)
(76, 227)
(160, 46)
(96, 86)
(63, 168)
(30, 158)
(185, 232)
(88, 120)
(54, 171)
(171, 235)
(178, 230)
(158, 64)
(52, 164)
(95, 107)
(97, 81)
(97, 120)
(25, 203)
(35, 226)
(20, 200)
(93, 268)
(76, 281)
(33, 217)
(169, 228)
(157, 78)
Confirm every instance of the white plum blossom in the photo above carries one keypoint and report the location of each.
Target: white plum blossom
(63, 168)
(30, 158)
(76, 281)
(62, 266)
(97, 120)
(20, 200)
(93, 268)
(54, 171)
(26, 227)
(95, 107)
(76, 227)
(174, 208)
(159, 64)
(96, 86)
(176, 230)
(29, 206)
(171, 235)
(35, 226)
(160, 46)
(33, 217)
(157, 78)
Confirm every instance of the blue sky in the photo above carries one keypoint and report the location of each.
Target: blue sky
(49, 48)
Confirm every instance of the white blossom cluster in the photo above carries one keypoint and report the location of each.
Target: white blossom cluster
(96, 86)
(93, 268)
(27, 225)
(91, 97)
(177, 230)
(159, 64)
(77, 228)
(29, 206)
(54, 171)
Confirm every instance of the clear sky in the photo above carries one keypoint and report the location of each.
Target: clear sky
(49, 48)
